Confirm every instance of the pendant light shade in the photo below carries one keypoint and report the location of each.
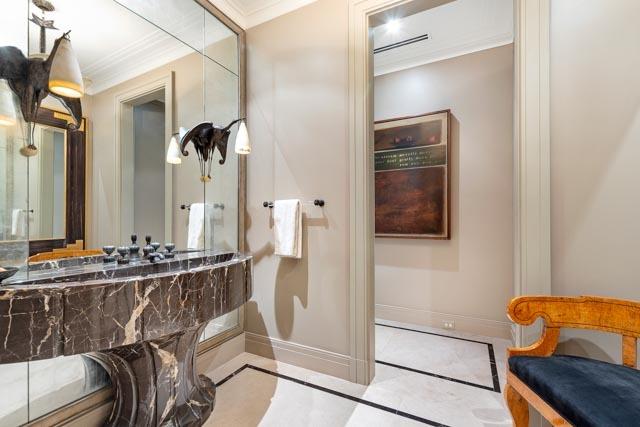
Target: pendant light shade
(7, 108)
(243, 145)
(65, 78)
(173, 152)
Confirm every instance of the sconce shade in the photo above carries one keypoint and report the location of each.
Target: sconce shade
(65, 78)
(243, 145)
(173, 152)
(7, 108)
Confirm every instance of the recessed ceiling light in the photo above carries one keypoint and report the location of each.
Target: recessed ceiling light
(393, 25)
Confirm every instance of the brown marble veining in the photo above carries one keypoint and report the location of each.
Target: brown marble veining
(141, 322)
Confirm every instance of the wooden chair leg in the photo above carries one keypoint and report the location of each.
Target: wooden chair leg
(518, 407)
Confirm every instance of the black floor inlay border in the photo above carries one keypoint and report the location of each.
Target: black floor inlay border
(492, 361)
(333, 392)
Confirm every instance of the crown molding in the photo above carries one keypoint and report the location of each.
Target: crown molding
(415, 55)
(133, 60)
(250, 17)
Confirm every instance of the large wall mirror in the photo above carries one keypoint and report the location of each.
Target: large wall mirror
(149, 68)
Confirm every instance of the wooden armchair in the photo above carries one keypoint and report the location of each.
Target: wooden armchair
(569, 390)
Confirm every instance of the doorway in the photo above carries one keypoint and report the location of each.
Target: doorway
(145, 122)
(530, 165)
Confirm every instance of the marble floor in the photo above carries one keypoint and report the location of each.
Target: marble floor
(424, 376)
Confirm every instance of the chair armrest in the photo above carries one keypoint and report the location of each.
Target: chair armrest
(597, 313)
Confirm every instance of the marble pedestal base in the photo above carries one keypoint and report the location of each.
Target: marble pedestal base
(155, 382)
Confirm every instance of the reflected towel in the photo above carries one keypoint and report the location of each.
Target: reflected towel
(200, 225)
(287, 218)
(19, 223)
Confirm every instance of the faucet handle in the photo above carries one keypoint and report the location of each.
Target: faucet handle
(108, 250)
(169, 247)
(123, 251)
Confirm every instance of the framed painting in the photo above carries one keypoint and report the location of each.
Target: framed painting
(412, 176)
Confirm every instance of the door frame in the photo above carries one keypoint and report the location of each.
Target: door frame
(124, 104)
(532, 261)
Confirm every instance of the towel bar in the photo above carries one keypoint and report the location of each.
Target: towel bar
(316, 202)
(215, 206)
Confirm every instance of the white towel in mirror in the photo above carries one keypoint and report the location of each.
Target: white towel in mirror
(19, 223)
(287, 218)
(201, 217)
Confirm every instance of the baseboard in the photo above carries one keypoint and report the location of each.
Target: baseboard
(489, 328)
(214, 357)
(315, 359)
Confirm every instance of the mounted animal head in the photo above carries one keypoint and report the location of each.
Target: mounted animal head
(205, 138)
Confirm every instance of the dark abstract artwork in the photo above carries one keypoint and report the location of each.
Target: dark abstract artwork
(412, 176)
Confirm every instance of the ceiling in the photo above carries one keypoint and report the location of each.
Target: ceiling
(114, 43)
(452, 29)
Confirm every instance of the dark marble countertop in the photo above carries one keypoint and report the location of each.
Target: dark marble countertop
(81, 269)
(83, 305)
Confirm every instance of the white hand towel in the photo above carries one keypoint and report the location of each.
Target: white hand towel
(287, 218)
(201, 216)
(19, 223)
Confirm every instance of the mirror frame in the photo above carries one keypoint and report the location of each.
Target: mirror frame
(75, 174)
(216, 340)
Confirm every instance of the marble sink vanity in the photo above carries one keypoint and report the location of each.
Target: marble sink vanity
(141, 322)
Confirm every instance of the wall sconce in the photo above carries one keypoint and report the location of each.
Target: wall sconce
(173, 152)
(28, 78)
(206, 137)
(243, 145)
(65, 78)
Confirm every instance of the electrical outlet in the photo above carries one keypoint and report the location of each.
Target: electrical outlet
(448, 324)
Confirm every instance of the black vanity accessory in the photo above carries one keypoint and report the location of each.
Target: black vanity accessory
(155, 257)
(168, 253)
(6, 272)
(123, 251)
(148, 248)
(155, 246)
(109, 250)
(134, 249)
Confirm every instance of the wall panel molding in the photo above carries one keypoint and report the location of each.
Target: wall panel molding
(315, 359)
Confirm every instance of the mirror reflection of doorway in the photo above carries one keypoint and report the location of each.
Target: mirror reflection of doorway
(47, 183)
(148, 183)
(143, 168)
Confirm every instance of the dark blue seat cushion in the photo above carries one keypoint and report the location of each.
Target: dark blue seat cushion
(585, 392)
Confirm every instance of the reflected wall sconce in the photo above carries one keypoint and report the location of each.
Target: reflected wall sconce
(173, 152)
(206, 137)
(28, 78)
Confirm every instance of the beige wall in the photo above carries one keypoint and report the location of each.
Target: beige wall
(595, 156)
(468, 279)
(297, 110)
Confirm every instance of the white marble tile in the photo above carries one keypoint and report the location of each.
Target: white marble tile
(254, 398)
(451, 357)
